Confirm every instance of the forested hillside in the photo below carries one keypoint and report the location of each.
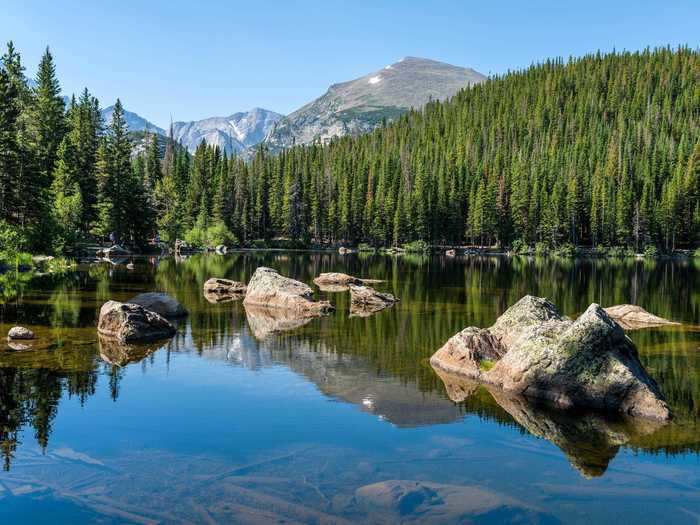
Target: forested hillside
(600, 150)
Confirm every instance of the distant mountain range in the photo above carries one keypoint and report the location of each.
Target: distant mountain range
(352, 107)
(134, 121)
(236, 133)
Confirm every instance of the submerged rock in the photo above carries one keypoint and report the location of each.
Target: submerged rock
(160, 303)
(221, 290)
(534, 351)
(270, 289)
(132, 323)
(633, 317)
(19, 332)
(418, 501)
(365, 300)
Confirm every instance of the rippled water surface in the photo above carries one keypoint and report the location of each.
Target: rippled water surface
(241, 419)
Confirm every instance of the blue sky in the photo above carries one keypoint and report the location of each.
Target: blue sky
(197, 59)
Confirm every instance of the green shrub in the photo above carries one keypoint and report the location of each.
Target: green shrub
(520, 247)
(210, 236)
(651, 251)
(616, 251)
(11, 239)
(565, 250)
(541, 248)
(258, 244)
(364, 247)
(416, 247)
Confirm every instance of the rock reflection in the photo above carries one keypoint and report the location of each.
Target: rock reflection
(266, 321)
(590, 440)
(119, 354)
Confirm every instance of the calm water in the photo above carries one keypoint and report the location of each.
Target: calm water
(339, 420)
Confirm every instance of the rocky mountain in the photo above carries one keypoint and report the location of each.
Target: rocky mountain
(134, 121)
(236, 133)
(359, 105)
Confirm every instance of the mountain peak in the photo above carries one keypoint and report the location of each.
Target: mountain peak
(359, 105)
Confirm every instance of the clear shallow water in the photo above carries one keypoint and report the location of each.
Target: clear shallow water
(341, 419)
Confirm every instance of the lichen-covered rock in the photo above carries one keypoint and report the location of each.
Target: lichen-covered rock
(451, 253)
(584, 363)
(365, 300)
(270, 289)
(19, 332)
(160, 303)
(633, 317)
(218, 290)
(132, 323)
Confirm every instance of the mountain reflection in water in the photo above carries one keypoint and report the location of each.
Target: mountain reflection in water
(449, 434)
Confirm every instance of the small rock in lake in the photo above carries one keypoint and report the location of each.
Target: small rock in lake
(633, 317)
(365, 300)
(20, 332)
(535, 351)
(219, 290)
(160, 303)
(335, 281)
(132, 323)
(270, 289)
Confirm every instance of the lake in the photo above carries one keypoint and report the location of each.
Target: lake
(341, 419)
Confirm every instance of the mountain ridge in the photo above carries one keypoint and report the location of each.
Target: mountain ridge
(359, 105)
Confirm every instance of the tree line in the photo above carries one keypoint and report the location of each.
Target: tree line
(602, 150)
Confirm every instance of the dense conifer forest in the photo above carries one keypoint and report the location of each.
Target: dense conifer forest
(602, 150)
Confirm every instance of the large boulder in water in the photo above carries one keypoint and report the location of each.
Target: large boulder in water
(160, 303)
(270, 289)
(633, 317)
(132, 323)
(534, 351)
(365, 300)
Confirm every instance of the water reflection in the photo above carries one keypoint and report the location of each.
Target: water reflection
(378, 364)
(590, 440)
